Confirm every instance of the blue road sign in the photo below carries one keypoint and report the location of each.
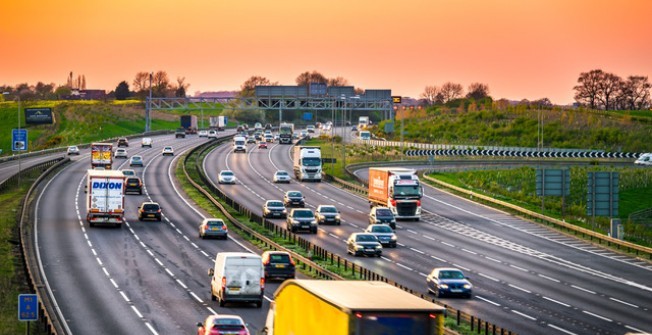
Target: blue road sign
(307, 116)
(19, 140)
(27, 307)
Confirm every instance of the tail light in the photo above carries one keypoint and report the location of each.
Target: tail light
(292, 261)
(262, 283)
(393, 202)
(223, 283)
(158, 211)
(419, 203)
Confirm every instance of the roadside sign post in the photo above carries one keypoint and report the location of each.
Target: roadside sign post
(553, 182)
(27, 308)
(602, 194)
(19, 143)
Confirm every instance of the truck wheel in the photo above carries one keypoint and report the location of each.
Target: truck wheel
(259, 304)
(222, 303)
(213, 297)
(92, 224)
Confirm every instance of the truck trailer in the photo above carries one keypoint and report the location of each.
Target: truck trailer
(363, 122)
(102, 155)
(189, 123)
(217, 122)
(105, 197)
(307, 163)
(399, 189)
(285, 132)
(350, 307)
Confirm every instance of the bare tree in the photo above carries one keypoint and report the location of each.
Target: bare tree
(635, 92)
(337, 81)
(141, 81)
(248, 88)
(588, 90)
(450, 91)
(160, 83)
(181, 87)
(478, 91)
(608, 89)
(430, 94)
(311, 77)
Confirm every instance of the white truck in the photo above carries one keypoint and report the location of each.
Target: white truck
(285, 132)
(217, 122)
(105, 198)
(398, 189)
(307, 163)
(239, 144)
(363, 122)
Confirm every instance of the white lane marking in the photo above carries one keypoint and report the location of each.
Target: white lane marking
(624, 302)
(412, 231)
(469, 251)
(556, 301)
(549, 278)
(582, 289)
(487, 300)
(196, 297)
(561, 329)
(405, 267)
(519, 288)
(114, 283)
(182, 284)
(461, 267)
(634, 329)
(524, 315)
(597, 316)
(124, 296)
(419, 251)
(151, 328)
(448, 244)
(439, 259)
(428, 237)
(519, 268)
(136, 311)
(493, 259)
(488, 277)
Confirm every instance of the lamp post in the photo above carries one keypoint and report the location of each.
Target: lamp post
(149, 106)
(18, 98)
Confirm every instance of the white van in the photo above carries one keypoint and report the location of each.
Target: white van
(365, 135)
(237, 277)
(146, 142)
(644, 159)
(239, 144)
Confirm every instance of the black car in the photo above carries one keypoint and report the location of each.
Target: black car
(133, 185)
(278, 264)
(449, 281)
(382, 215)
(149, 211)
(363, 244)
(301, 219)
(294, 199)
(123, 142)
(328, 214)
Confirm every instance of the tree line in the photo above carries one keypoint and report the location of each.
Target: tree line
(598, 89)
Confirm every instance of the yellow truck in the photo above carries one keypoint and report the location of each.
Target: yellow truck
(350, 307)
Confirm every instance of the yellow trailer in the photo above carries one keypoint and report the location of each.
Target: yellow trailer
(326, 307)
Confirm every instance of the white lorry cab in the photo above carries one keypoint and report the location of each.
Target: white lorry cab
(239, 144)
(237, 277)
(644, 159)
(365, 135)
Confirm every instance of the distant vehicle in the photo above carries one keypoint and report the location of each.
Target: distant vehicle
(644, 159)
(328, 214)
(354, 128)
(123, 142)
(258, 126)
(365, 135)
(212, 134)
(202, 133)
(213, 228)
(262, 145)
(310, 128)
(307, 163)
(120, 153)
(360, 306)
(258, 136)
(222, 324)
(217, 122)
(189, 123)
(384, 233)
(136, 160)
(133, 185)
(363, 122)
(363, 244)
(239, 144)
(294, 199)
(382, 215)
(281, 176)
(274, 209)
(449, 281)
(237, 277)
(304, 133)
(251, 139)
(276, 137)
(146, 142)
(167, 151)
(73, 150)
(102, 155)
(105, 197)
(180, 133)
(128, 172)
(269, 138)
(278, 264)
(149, 210)
(301, 219)
(398, 189)
(226, 177)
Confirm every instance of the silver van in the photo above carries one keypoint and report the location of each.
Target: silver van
(237, 277)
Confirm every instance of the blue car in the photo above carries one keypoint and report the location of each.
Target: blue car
(449, 281)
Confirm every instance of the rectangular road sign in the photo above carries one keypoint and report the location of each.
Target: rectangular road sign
(602, 194)
(27, 307)
(19, 140)
(553, 182)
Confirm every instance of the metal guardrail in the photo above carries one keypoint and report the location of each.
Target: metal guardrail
(51, 321)
(318, 252)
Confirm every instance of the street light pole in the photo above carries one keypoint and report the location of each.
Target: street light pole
(19, 163)
(149, 106)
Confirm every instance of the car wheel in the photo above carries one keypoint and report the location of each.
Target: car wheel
(140, 192)
(226, 237)
(393, 226)
(140, 218)
(259, 304)
(313, 230)
(92, 224)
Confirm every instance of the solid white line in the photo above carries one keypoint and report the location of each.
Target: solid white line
(624, 302)
(488, 277)
(151, 328)
(519, 268)
(582, 289)
(634, 329)
(519, 288)
(419, 251)
(487, 300)
(137, 312)
(403, 266)
(549, 278)
(597, 316)
(524, 315)
(196, 297)
(556, 301)
(124, 296)
(469, 251)
(561, 329)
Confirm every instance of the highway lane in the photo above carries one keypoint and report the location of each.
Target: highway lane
(9, 168)
(516, 267)
(147, 277)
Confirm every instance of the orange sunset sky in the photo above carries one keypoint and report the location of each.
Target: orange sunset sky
(523, 49)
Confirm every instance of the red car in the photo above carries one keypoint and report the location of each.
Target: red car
(262, 145)
(222, 324)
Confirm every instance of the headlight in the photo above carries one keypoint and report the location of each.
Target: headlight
(358, 247)
(285, 210)
(468, 286)
(313, 222)
(444, 286)
(295, 221)
(379, 246)
(337, 217)
(393, 238)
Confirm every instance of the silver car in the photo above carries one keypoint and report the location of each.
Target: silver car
(274, 209)
(384, 233)
(226, 177)
(120, 153)
(73, 150)
(282, 176)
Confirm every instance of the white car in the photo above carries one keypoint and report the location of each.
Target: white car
(282, 176)
(203, 133)
(146, 142)
(167, 151)
(226, 177)
(120, 153)
(212, 134)
(73, 150)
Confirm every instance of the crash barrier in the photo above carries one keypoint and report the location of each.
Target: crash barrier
(314, 251)
(42, 166)
(49, 319)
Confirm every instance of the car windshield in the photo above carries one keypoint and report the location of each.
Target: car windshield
(365, 238)
(150, 207)
(132, 180)
(281, 173)
(215, 223)
(128, 172)
(168, 148)
(136, 158)
(407, 190)
(381, 229)
(227, 173)
(279, 258)
(227, 322)
(451, 275)
(312, 161)
(328, 210)
(294, 194)
(274, 204)
(384, 212)
(303, 214)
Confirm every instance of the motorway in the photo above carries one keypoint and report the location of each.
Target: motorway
(151, 277)
(527, 278)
